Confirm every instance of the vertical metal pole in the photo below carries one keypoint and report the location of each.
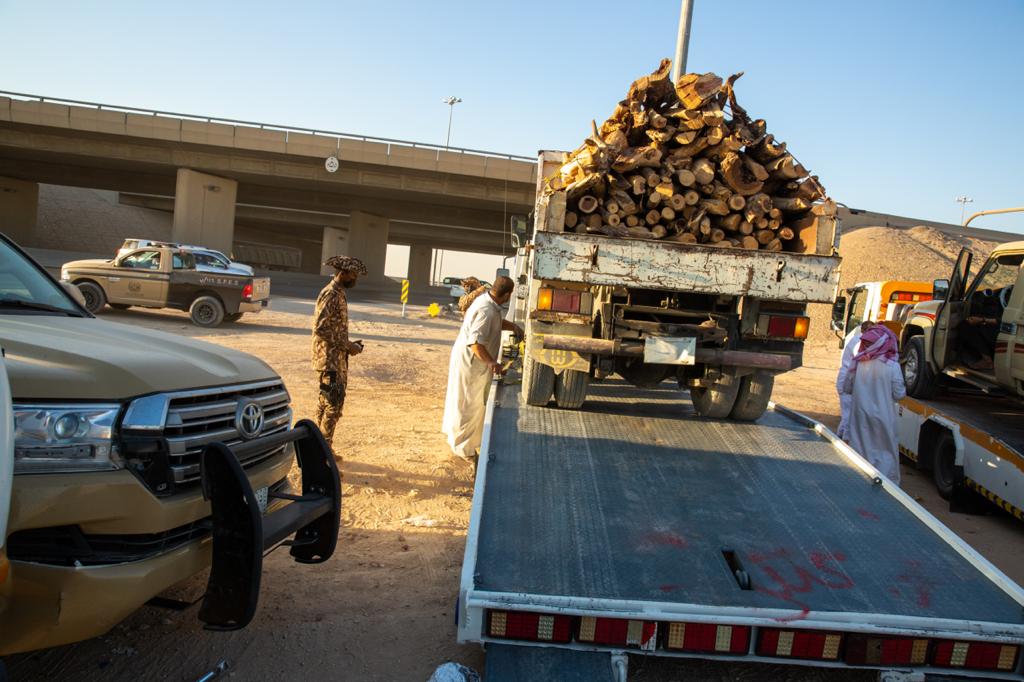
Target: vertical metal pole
(682, 40)
(451, 110)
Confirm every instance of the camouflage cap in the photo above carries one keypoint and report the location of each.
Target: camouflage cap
(346, 264)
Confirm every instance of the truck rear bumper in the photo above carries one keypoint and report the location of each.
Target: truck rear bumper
(254, 306)
(620, 348)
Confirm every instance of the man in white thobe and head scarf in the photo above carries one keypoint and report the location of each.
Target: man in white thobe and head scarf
(473, 362)
(850, 347)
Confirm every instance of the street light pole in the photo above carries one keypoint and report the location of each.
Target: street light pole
(682, 39)
(963, 200)
(451, 102)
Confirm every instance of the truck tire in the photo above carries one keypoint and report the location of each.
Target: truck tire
(538, 382)
(206, 311)
(233, 317)
(716, 401)
(754, 394)
(917, 373)
(571, 389)
(119, 306)
(94, 297)
(944, 465)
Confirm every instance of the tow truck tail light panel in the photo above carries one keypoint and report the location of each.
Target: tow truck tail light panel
(565, 301)
(533, 627)
(783, 326)
(707, 638)
(638, 634)
(808, 644)
(975, 655)
(865, 650)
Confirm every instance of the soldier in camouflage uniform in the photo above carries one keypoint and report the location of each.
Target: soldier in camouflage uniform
(331, 346)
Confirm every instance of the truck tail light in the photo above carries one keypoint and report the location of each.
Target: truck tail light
(784, 326)
(247, 292)
(564, 300)
(534, 627)
(864, 650)
(904, 297)
(975, 655)
(822, 646)
(707, 637)
(641, 634)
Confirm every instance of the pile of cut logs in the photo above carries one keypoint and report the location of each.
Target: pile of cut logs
(684, 162)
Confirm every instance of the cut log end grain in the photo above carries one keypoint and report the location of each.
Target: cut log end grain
(749, 242)
(653, 217)
(632, 221)
(659, 231)
(677, 202)
(692, 198)
(587, 204)
(668, 214)
(571, 219)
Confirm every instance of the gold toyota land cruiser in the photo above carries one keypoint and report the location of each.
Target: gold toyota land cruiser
(141, 459)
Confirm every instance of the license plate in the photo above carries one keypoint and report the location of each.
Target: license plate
(667, 350)
(262, 495)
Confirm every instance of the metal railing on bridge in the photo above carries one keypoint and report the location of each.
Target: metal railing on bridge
(266, 126)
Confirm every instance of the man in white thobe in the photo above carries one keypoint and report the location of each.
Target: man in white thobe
(474, 361)
(850, 347)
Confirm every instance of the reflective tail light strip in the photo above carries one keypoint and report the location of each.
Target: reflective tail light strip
(708, 638)
(641, 634)
(800, 644)
(499, 621)
(975, 655)
(538, 627)
(1007, 657)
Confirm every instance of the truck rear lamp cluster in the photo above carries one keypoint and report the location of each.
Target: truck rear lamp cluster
(707, 638)
(975, 655)
(864, 650)
(809, 644)
(783, 326)
(905, 297)
(638, 634)
(247, 292)
(564, 300)
(533, 627)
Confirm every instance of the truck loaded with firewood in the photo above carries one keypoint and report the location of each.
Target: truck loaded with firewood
(680, 241)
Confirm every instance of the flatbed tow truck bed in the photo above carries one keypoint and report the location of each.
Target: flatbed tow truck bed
(606, 528)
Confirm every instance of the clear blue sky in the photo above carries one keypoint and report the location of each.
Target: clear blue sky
(899, 106)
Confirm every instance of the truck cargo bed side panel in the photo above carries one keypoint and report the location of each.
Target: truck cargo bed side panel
(644, 263)
(633, 498)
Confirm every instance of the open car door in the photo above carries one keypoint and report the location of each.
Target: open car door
(951, 311)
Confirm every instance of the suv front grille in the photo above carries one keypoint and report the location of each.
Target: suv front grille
(197, 418)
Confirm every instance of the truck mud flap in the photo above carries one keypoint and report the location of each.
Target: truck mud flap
(241, 533)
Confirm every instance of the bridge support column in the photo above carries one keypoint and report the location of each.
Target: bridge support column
(204, 210)
(418, 273)
(19, 208)
(368, 241)
(335, 243)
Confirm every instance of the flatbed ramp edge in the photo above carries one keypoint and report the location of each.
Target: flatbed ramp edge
(634, 512)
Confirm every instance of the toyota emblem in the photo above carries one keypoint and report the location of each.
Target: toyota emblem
(249, 420)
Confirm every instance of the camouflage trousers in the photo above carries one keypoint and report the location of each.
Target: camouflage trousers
(330, 404)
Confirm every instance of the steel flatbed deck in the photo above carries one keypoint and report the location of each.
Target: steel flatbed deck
(634, 508)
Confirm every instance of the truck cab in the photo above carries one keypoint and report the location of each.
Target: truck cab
(889, 302)
(975, 333)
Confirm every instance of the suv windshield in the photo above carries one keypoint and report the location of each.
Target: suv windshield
(25, 289)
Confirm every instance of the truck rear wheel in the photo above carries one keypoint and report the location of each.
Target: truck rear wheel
(754, 394)
(717, 400)
(917, 373)
(538, 382)
(571, 389)
(944, 465)
(206, 311)
(94, 297)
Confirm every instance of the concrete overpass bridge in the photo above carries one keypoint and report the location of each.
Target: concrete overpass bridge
(270, 181)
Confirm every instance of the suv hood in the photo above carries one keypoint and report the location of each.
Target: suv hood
(70, 358)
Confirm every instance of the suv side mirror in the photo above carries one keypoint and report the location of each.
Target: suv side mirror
(940, 289)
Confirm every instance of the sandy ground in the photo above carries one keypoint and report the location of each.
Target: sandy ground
(383, 607)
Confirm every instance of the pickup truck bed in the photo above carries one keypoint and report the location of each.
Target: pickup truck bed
(627, 507)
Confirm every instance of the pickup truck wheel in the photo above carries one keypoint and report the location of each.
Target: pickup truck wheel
(206, 311)
(944, 465)
(571, 389)
(94, 297)
(119, 306)
(233, 317)
(538, 382)
(716, 401)
(754, 394)
(917, 373)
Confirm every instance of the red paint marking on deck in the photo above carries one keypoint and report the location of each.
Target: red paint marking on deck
(793, 577)
(669, 588)
(868, 514)
(663, 539)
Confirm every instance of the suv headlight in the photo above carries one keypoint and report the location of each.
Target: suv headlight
(64, 438)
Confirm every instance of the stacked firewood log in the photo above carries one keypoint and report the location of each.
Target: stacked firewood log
(684, 162)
